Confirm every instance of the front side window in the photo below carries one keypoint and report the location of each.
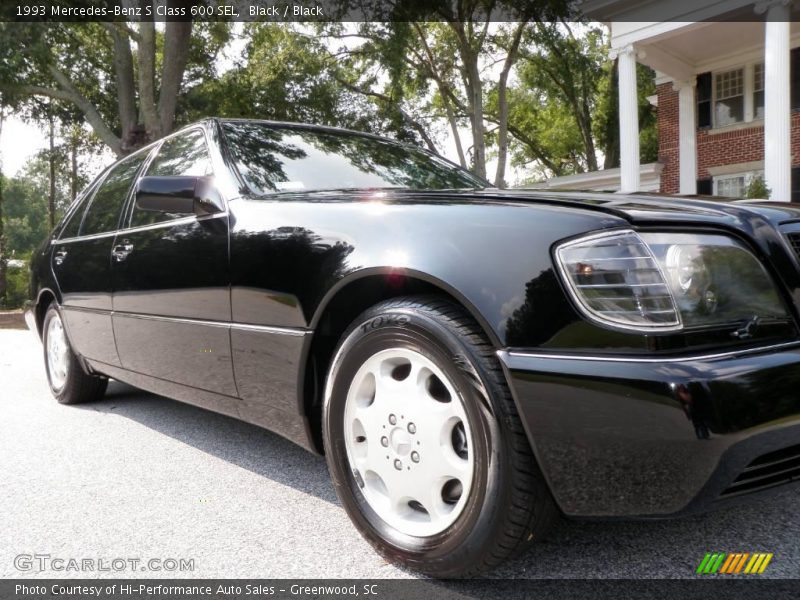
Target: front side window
(729, 97)
(185, 154)
(103, 213)
(274, 159)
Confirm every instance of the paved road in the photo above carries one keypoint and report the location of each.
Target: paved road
(139, 476)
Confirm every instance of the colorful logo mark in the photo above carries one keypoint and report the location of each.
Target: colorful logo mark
(734, 563)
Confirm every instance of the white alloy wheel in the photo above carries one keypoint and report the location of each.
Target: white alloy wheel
(57, 353)
(408, 442)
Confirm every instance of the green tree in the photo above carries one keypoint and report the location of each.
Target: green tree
(126, 81)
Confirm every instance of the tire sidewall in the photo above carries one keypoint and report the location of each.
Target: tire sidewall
(51, 313)
(380, 329)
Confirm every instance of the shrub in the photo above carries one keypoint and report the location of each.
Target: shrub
(757, 189)
(18, 279)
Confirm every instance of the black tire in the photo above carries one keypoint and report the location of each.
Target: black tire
(509, 503)
(78, 386)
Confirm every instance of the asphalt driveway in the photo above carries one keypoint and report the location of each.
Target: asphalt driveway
(138, 476)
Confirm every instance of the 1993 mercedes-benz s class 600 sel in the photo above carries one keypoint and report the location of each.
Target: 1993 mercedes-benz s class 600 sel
(473, 362)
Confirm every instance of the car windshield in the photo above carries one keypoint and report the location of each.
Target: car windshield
(274, 158)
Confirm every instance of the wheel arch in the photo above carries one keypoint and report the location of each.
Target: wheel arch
(342, 304)
(44, 298)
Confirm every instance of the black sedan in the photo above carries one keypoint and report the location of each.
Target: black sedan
(473, 362)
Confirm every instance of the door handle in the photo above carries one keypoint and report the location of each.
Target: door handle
(59, 256)
(121, 251)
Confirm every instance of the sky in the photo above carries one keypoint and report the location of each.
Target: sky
(18, 142)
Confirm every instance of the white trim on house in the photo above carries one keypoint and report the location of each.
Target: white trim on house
(606, 180)
(737, 168)
(690, 39)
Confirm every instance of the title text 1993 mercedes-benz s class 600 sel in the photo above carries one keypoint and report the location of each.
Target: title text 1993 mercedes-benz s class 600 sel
(473, 362)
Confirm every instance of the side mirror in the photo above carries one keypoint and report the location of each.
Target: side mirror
(179, 194)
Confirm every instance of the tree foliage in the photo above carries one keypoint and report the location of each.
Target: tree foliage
(538, 93)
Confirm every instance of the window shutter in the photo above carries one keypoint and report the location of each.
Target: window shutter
(705, 187)
(796, 184)
(703, 94)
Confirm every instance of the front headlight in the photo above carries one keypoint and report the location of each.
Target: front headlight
(667, 281)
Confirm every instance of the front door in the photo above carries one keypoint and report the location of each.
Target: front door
(170, 272)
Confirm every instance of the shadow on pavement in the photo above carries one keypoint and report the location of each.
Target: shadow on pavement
(247, 446)
(575, 549)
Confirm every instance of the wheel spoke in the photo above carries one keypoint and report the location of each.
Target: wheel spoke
(405, 428)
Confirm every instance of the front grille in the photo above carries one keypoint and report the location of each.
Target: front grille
(794, 240)
(768, 470)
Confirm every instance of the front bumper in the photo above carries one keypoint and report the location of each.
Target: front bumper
(618, 437)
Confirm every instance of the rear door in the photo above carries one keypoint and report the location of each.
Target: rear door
(172, 307)
(81, 262)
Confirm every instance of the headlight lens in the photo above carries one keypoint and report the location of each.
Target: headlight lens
(666, 281)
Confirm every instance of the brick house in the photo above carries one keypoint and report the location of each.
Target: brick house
(728, 94)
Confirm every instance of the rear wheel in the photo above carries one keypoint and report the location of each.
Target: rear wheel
(69, 383)
(424, 444)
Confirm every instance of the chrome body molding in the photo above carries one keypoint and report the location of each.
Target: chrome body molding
(293, 331)
(504, 354)
(162, 225)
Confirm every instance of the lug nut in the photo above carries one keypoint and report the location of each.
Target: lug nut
(398, 464)
(412, 428)
(415, 456)
(392, 419)
(384, 441)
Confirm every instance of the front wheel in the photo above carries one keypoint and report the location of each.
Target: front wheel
(69, 383)
(424, 444)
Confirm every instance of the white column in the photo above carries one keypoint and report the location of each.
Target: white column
(777, 110)
(687, 142)
(628, 120)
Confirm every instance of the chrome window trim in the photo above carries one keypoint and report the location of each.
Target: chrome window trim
(164, 224)
(505, 354)
(292, 331)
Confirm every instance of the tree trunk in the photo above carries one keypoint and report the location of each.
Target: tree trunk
(147, 80)
(502, 102)
(475, 92)
(126, 92)
(611, 149)
(474, 88)
(3, 275)
(176, 54)
(73, 171)
(51, 201)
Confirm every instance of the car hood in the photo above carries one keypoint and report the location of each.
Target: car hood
(650, 208)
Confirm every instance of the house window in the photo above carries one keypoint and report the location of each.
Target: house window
(758, 91)
(734, 185)
(729, 97)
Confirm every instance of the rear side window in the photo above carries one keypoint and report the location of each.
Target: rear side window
(103, 212)
(72, 225)
(185, 154)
